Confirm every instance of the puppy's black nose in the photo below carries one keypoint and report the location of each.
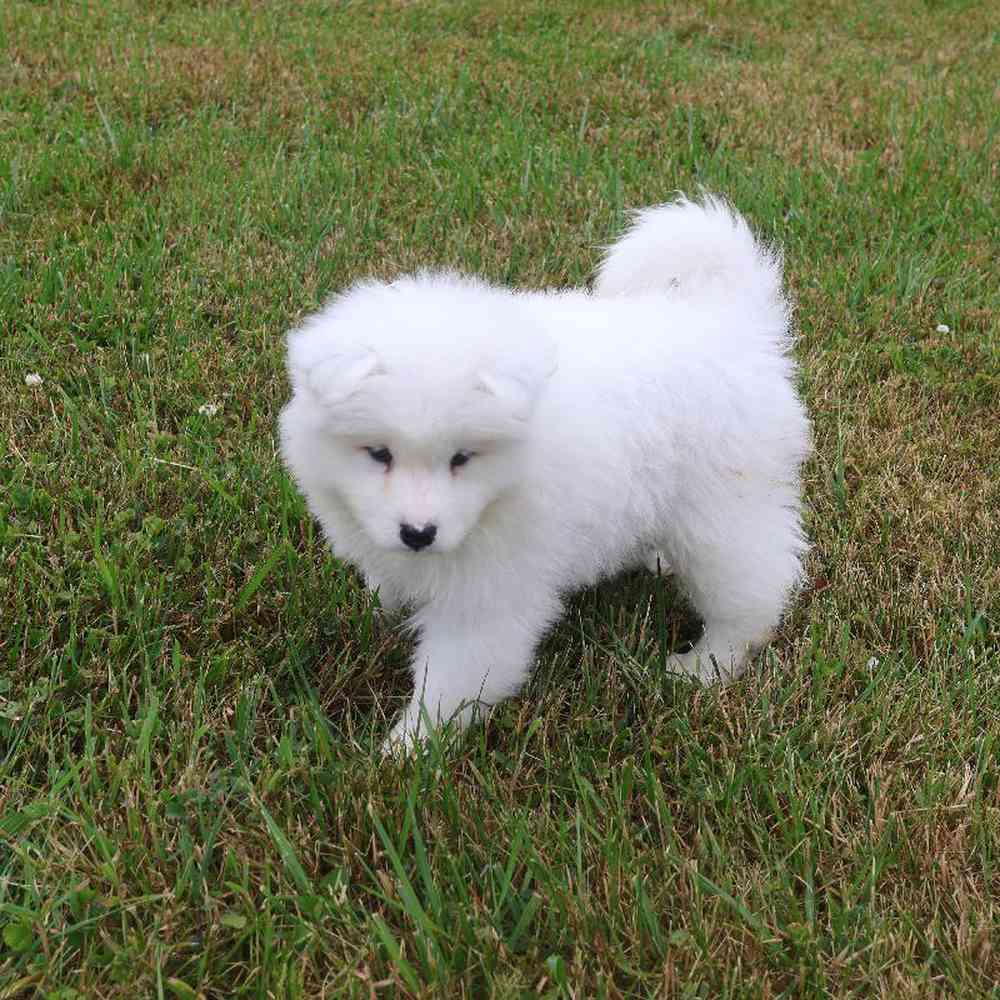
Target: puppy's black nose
(417, 538)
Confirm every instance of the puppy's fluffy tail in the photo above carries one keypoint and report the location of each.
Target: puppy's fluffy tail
(692, 249)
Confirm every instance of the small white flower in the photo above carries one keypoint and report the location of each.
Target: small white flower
(873, 663)
(943, 328)
(33, 379)
(209, 409)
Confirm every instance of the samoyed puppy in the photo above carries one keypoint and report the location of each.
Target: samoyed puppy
(478, 453)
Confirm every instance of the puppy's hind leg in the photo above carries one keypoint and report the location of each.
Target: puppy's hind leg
(739, 580)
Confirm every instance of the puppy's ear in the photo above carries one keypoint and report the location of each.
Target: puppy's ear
(518, 381)
(336, 379)
(329, 373)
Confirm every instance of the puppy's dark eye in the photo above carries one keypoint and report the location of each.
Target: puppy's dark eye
(460, 458)
(381, 455)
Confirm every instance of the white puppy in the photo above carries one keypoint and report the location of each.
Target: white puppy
(478, 452)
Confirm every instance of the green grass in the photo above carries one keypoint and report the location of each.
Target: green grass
(192, 690)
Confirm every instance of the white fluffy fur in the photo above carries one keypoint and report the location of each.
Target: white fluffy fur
(653, 418)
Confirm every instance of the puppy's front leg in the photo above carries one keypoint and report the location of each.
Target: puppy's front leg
(465, 663)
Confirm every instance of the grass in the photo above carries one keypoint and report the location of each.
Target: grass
(192, 690)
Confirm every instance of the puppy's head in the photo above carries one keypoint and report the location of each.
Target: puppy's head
(411, 403)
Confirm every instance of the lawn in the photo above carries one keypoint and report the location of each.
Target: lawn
(193, 691)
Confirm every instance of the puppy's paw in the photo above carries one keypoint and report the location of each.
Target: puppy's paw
(410, 734)
(656, 562)
(708, 664)
(404, 739)
(413, 729)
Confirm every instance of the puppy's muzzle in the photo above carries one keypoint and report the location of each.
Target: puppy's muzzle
(417, 538)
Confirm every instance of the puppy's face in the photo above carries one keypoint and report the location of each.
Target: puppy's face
(418, 495)
(412, 404)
